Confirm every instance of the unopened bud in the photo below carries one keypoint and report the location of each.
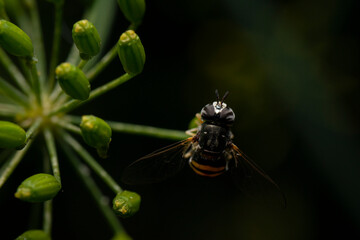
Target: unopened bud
(73, 81)
(133, 10)
(38, 188)
(14, 40)
(34, 235)
(96, 133)
(131, 52)
(126, 203)
(86, 39)
(11, 135)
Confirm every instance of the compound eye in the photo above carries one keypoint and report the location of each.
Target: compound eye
(207, 112)
(227, 116)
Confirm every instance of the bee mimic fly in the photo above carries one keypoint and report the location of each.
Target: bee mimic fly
(210, 152)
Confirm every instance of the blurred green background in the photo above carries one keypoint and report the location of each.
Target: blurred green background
(292, 69)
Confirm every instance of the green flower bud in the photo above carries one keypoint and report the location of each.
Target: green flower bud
(194, 123)
(121, 236)
(126, 203)
(96, 133)
(34, 235)
(73, 81)
(11, 135)
(86, 39)
(14, 40)
(38, 188)
(133, 10)
(131, 52)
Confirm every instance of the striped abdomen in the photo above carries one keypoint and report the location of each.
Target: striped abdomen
(209, 164)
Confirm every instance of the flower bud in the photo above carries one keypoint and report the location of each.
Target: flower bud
(86, 39)
(131, 52)
(34, 235)
(194, 123)
(38, 188)
(96, 133)
(73, 81)
(133, 10)
(14, 40)
(126, 203)
(11, 135)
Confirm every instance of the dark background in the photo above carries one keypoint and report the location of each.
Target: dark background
(291, 68)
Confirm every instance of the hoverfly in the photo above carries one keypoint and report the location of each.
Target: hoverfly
(210, 152)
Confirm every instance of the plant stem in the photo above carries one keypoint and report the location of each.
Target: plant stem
(47, 218)
(56, 42)
(10, 110)
(72, 104)
(38, 41)
(83, 171)
(13, 72)
(82, 63)
(66, 125)
(50, 143)
(147, 131)
(99, 67)
(8, 168)
(33, 129)
(8, 90)
(139, 129)
(35, 82)
(96, 167)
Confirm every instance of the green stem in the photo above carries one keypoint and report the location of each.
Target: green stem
(8, 168)
(133, 26)
(96, 167)
(47, 218)
(13, 72)
(66, 125)
(83, 172)
(72, 104)
(82, 63)
(35, 82)
(8, 90)
(56, 93)
(56, 42)
(50, 143)
(33, 129)
(139, 129)
(99, 67)
(38, 40)
(10, 110)
(147, 131)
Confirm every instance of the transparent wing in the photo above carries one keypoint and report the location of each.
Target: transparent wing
(158, 165)
(250, 179)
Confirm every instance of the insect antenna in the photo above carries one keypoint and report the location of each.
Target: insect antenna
(223, 98)
(217, 95)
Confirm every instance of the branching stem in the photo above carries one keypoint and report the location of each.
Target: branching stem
(99, 67)
(72, 104)
(139, 129)
(95, 166)
(50, 143)
(56, 42)
(102, 202)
